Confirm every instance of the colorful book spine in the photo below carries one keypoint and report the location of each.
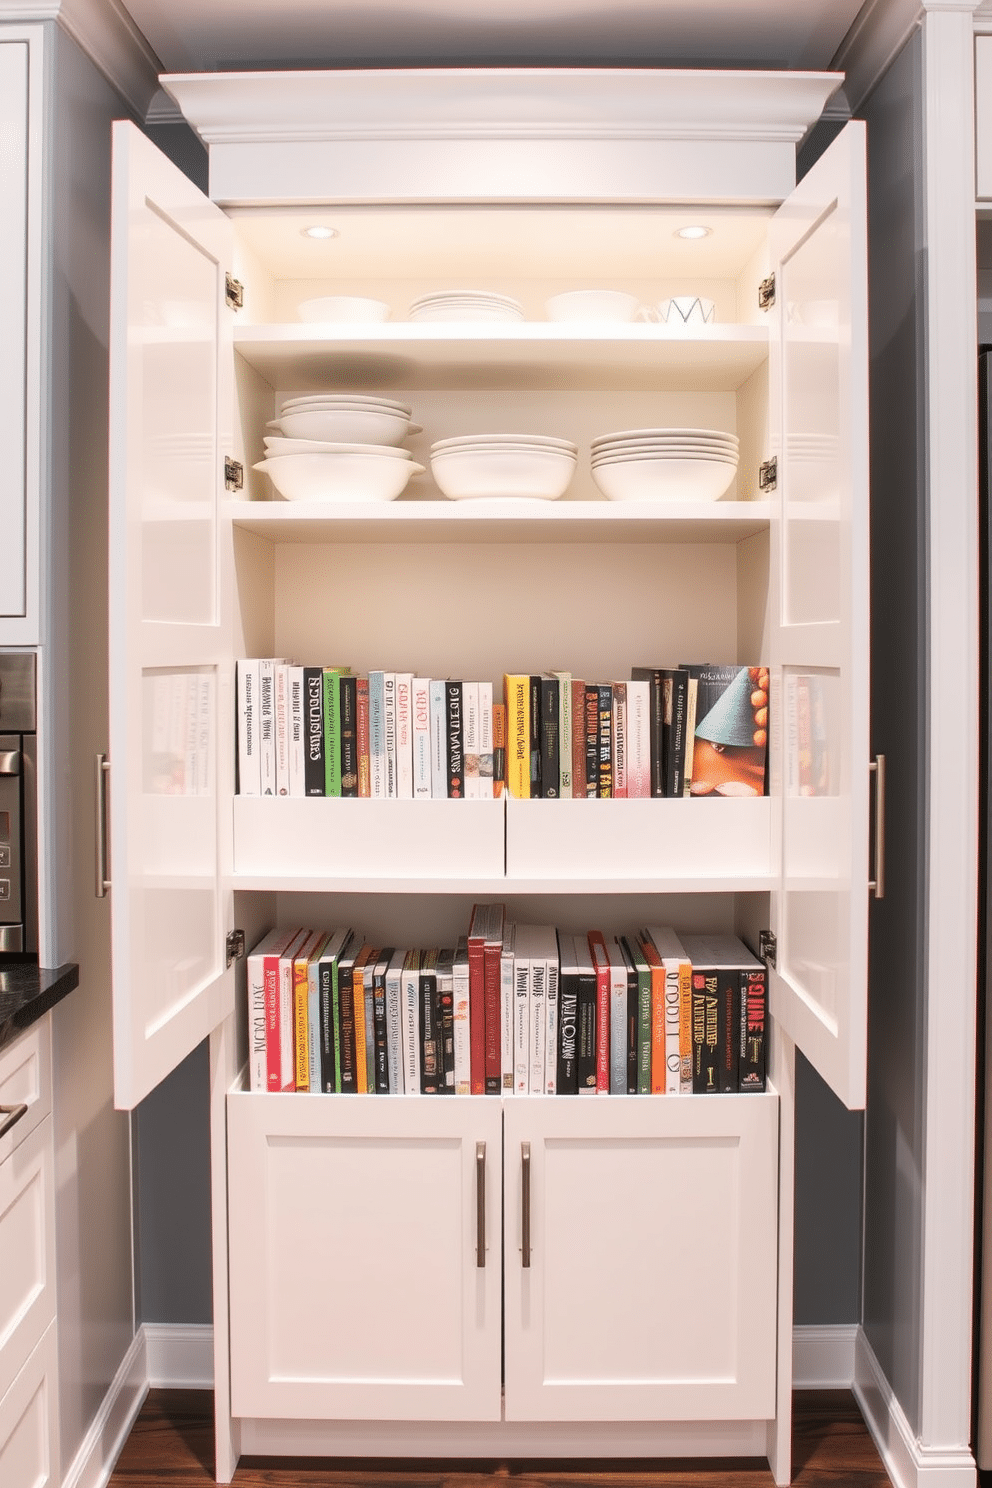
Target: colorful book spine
(521, 1011)
(590, 713)
(534, 713)
(499, 748)
(477, 1001)
(462, 1021)
(348, 720)
(492, 953)
(377, 736)
(550, 738)
(638, 739)
(389, 731)
(587, 1016)
(431, 1069)
(506, 1001)
(538, 1012)
(346, 1016)
(263, 958)
(564, 680)
(332, 732)
(455, 740)
(314, 773)
(446, 1015)
(631, 1034)
(380, 1021)
(578, 690)
(620, 740)
(362, 731)
(516, 697)
(404, 736)
(551, 999)
(601, 964)
(568, 1015)
(359, 1019)
(604, 787)
(753, 1023)
(313, 1020)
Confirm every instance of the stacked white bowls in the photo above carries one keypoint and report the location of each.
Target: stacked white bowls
(339, 447)
(664, 464)
(496, 466)
(466, 305)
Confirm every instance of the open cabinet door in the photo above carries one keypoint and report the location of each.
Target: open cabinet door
(819, 616)
(171, 709)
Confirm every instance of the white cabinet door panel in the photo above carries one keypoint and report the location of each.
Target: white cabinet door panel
(29, 1442)
(170, 657)
(650, 1292)
(27, 1246)
(819, 608)
(14, 63)
(356, 1288)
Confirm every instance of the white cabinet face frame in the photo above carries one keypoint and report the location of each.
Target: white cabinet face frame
(29, 1417)
(170, 654)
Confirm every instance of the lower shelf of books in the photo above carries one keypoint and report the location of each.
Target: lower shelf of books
(632, 1276)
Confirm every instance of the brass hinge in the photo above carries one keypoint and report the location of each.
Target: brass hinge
(768, 474)
(234, 292)
(234, 474)
(766, 293)
(235, 945)
(768, 947)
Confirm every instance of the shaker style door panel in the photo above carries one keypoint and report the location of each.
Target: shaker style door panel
(14, 328)
(366, 1271)
(27, 1245)
(647, 1291)
(170, 667)
(819, 608)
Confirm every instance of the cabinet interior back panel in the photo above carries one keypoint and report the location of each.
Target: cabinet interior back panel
(477, 612)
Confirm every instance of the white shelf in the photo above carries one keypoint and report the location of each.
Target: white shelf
(510, 521)
(524, 356)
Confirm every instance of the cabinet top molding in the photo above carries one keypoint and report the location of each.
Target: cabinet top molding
(501, 103)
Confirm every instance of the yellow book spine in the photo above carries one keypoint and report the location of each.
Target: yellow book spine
(301, 1031)
(516, 693)
(685, 1025)
(358, 993)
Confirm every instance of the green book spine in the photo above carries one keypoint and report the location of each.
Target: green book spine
(332, 732)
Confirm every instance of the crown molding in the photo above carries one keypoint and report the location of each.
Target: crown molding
(500, 103)
(881, 31)
(104, 30)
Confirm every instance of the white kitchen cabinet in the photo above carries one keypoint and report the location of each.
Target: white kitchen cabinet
(777, 573)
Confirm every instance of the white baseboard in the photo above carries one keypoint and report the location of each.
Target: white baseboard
(94, 1462)
(823, 1357)
(180, 1355)
(909, 1462)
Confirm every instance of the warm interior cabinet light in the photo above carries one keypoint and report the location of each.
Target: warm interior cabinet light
(319, 232)
(693, 232)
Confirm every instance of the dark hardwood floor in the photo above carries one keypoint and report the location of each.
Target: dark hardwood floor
(171, 1446)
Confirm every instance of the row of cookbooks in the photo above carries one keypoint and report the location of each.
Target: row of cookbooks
(511, 1007)
(665, 731)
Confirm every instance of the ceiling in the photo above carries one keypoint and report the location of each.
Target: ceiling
(223, 35)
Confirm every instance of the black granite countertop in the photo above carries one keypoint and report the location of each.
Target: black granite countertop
(28, 991)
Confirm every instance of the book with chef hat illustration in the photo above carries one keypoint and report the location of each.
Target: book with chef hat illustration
(730, 739)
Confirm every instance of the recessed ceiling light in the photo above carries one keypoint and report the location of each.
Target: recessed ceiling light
(693, 232)
(319, 232)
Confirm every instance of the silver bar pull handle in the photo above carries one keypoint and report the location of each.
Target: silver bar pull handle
(102, 877)
(10, 762)
(10, 1116)
(876, 885)
(480, 1205)
(525, 1206)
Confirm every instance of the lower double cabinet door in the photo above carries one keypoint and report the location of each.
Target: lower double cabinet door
(527, 1259)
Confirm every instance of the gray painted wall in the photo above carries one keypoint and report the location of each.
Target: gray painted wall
(896, 1022)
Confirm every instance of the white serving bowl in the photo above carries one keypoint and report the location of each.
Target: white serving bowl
(683, 434)
(451, 314)
(687, 310)
(538, 441)
(342, 307)
(492, 471)
(340, 477)
(348, 425)
(664, 480)
(592, 304)
(275, 446)
(344, 400)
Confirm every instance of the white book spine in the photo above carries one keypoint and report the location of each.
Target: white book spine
(282, 728)
(410, 1030)
(204, 734)
(421, 742)
(538, 1013)
(267, 726)
(521, 1016)
(191, 774)
(404, 736)
(394, 996)
(486, 740)
(439, 741)
(313, 1014)
(297, 785)
(178, 709)
(461, 1020)
(377, 736)
(618, 1019)
(551, 1020)
(389, 730)
(639, 740)
(506, 1004)
(470, 739)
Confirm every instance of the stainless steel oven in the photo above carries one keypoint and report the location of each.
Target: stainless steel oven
(18, 805)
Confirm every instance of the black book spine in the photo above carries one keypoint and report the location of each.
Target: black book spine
(380, 1054)
(591, 723)
(632, 1012)
(568, 1033)
(674, 740)
(326, 1010)
(656, 723)
(446, 1002)
(586, 1052)
(348, 719)
(705, 1026)
(728, 1030)
(550, 742)
(536, 775)
(346, 1010)
(605, 750)
(313, 754)
(753, 1030)
(430, 1037)
(456, 739)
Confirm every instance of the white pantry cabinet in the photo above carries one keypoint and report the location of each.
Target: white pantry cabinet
(348, 1284)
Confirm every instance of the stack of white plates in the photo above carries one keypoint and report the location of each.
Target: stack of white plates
(466, 304)
(494, 466)
(664, 464)
(355, 418)
(339, 447)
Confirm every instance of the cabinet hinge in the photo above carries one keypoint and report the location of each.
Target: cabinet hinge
(234, 474)
(768, 947)
(766, 293)
(234, 292)
(235, 945)
(768, 474)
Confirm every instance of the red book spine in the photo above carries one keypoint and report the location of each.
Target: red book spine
(601, 961)
(477, 1015)
(493, 999)
(273, 1059)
